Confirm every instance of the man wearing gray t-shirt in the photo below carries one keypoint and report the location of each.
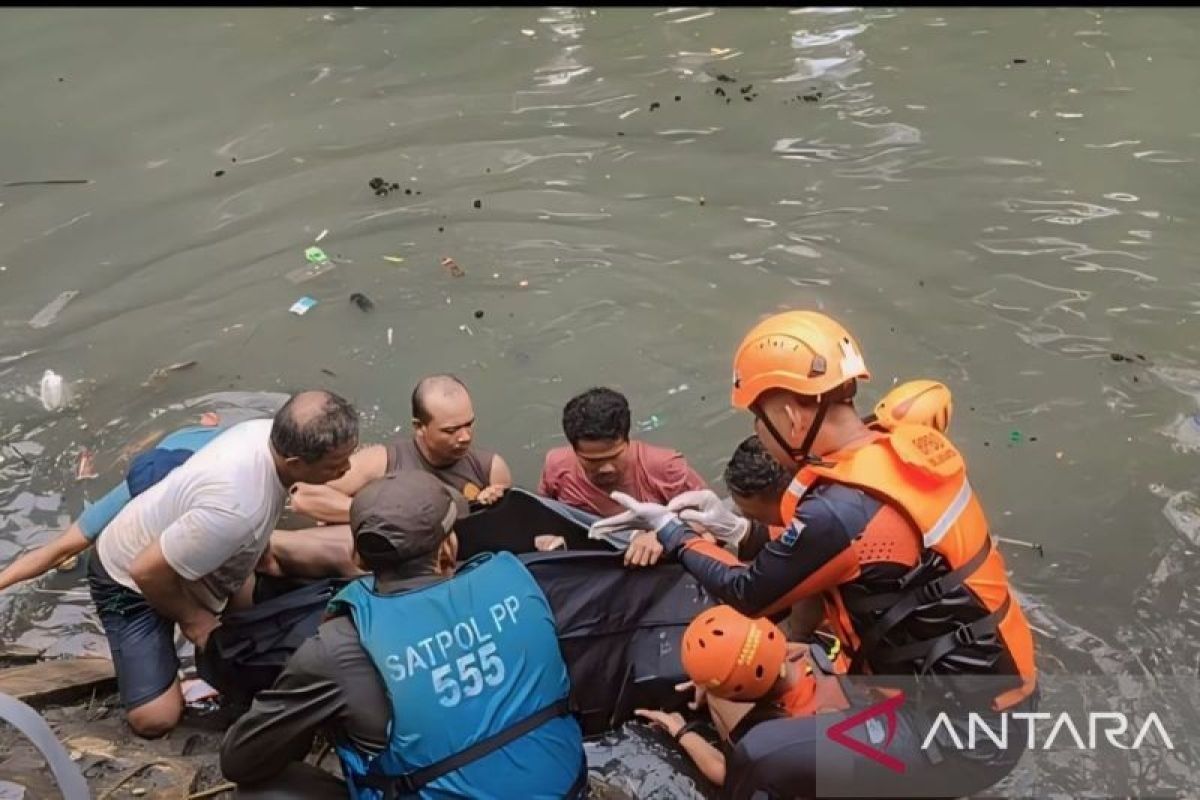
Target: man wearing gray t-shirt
(185, 549)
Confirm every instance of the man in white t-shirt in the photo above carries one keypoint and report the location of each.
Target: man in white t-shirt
(185, 549)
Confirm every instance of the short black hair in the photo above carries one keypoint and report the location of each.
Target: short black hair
(419, 411)
(314, 435)
(598, 413)
(753, 471)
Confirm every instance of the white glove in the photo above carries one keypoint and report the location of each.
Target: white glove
(639, 517)
(705, 508)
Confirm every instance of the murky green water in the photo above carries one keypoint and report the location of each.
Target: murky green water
(997, 198)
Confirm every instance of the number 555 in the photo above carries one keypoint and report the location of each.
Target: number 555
(471, 678)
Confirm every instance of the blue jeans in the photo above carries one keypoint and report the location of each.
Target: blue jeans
(142, 641)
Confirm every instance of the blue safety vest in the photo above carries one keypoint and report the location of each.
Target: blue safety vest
(478, 689)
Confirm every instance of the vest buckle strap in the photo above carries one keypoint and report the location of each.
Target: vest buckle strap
(965, 636)
(932, 591)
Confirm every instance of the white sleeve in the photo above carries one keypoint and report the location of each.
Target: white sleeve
(203, 539)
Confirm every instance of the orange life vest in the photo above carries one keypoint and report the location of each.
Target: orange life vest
(918, 472)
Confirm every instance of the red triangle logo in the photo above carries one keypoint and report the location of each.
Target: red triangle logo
(887, 709)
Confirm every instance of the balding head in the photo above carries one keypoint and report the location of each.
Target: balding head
(432, 388)
(315, 433)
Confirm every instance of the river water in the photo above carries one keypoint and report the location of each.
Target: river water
(996, 198)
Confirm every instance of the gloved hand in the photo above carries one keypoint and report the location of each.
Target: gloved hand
(705, 508)
(647, 516)
(639, 517)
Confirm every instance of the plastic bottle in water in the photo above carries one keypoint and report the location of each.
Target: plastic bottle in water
(53, 391)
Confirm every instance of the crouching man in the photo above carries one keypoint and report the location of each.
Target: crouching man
(183, 551)
(431, 682)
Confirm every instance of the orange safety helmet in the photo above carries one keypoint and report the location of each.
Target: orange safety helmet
(802, 351)
(920, 402)
(732, 655)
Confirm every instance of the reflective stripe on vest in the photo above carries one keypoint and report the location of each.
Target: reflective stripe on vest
(463, 661)
(950, 516)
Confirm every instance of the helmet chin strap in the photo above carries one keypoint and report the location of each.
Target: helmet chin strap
(801, 454)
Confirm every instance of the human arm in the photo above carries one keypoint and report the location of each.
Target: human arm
(708, 759)
(166, 593)
(96, 517)
(813, 555)
(41, 560)
(330, 502)
(282, 721)
(546, 486)
(198, 543)
(499, 479)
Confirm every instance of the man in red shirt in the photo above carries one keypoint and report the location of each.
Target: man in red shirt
(602, 458)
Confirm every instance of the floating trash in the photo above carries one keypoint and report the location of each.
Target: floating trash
(363, 302)
(53, 391)
(163, 372)
(452, 268)
(318, 264)
(86, 470)
(302, 306)
(683, 387)
(50, 313)
(394, 259)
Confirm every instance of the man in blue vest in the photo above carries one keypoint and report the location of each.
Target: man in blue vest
(431, 682)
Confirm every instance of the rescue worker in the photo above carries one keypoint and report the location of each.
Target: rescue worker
(757, 483)
(432, 682)
(884, 526)
(746, 672)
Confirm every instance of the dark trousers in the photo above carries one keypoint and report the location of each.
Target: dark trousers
(299, 781)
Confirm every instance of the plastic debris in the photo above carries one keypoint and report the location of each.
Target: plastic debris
(86, 470)
(523, 284)
(318, 264)
(163, 372)
(651, 424)
(466, 329)
(683, 387)
(322, 235)
(389, 337)
(1035, 546)
(1015, 437)
(452, 268)
(394, 259)
(53, 391)
(301, 306)
(50, 313)
(479, 313)
(363, 302)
